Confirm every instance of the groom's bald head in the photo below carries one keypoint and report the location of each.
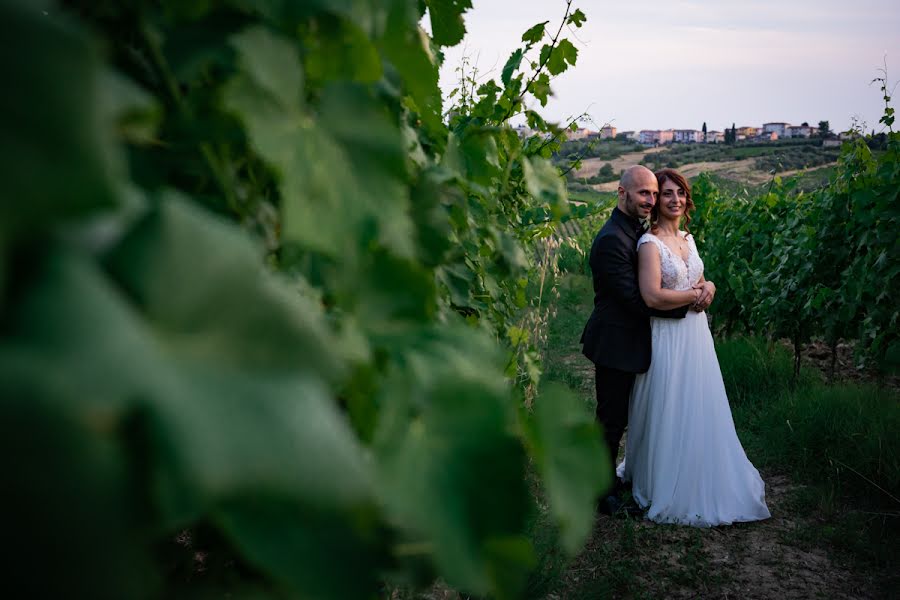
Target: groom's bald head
(635, 174)
(638, 191)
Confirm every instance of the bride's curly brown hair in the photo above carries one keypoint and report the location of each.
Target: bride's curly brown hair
(679, 180)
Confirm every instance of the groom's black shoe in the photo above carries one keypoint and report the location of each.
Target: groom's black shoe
(609, 505)
(614, 506)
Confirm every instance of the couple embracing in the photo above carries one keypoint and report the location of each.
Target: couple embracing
(656, 367)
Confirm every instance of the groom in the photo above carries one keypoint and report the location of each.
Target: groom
(617, 335)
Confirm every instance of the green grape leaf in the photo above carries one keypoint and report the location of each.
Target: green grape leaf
(577, 18)
(564, 52)
(341, 51)
(431, 197)
(535, 121)
(540, 88)
(309, 550)
(377, 161)
(451, 471)
(273, 63)
(474, 156)
(57, 145)
(235, 311)
(393, 291)
(408, 47)
(545, 184)
(565, 443)
(459, 281)
(534, 35)
(322, 211)
(512, 64)
(222, 421)
(447, 26)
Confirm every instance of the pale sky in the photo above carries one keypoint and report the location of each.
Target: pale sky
(659, 64)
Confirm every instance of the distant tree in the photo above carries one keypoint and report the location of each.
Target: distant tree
(606, 171)
(824, 129)
(704, 132)
(731, 134)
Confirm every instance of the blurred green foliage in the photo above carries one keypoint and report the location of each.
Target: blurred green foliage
(256, 289)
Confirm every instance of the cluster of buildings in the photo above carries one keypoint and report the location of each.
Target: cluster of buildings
(654, 137)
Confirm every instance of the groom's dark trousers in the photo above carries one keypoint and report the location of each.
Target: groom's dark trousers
(613, 389)
(616, 337)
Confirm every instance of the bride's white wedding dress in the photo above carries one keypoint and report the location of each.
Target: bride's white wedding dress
(682, 453)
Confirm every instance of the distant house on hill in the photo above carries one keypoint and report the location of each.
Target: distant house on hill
(607, 133)
(648, 137)
(652, 137)
(582, 133)
(715, 137)
(687, 136)
(746, 132)
(629, 135)
(800, 131)
(778, 128)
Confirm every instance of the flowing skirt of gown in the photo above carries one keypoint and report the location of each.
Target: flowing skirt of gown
(682, 452)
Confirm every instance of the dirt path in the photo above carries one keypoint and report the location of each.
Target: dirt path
(590, 166)
(637, 558)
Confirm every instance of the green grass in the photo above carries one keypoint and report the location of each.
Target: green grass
(576, 296)
(590, 195)
(807, 181)
(840, 440)
(814, 179)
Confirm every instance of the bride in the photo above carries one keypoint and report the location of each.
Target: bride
(682, 453)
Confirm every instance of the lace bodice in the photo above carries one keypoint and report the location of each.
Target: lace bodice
(677, 274)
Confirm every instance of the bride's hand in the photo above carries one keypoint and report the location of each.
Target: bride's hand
(707, 291)
(698, 293)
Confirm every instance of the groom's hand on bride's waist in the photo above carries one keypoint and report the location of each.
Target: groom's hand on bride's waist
(707, 293)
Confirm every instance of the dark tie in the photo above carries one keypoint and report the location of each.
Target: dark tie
(640, 228)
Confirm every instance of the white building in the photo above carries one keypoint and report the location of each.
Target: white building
(687, 136)
(715, 137)
(648, 136)
(777, 128)
(800, 131)
(652, 137)
(630, 135)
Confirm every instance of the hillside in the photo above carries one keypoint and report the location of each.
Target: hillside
(750, 165)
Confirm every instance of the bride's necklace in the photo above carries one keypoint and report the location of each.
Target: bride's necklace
(678, 239)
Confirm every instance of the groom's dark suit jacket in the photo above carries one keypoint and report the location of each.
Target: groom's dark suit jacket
(617, 335)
